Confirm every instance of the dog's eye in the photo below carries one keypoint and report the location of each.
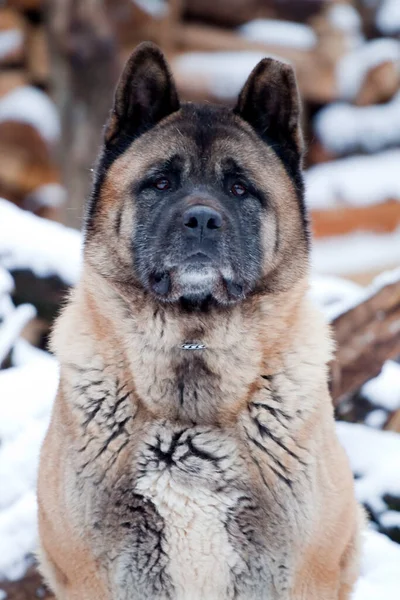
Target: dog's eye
(239, 190)
(163, 184)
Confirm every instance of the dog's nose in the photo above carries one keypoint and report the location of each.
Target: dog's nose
(201, 221)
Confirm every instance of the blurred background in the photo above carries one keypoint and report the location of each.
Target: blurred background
(59, 63)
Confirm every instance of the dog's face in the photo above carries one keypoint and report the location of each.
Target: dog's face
(198, 202)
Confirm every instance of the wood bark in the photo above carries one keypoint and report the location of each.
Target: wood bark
(28, 588)
(341, 220)
(315, 68)
(229, 13)
(366, 336)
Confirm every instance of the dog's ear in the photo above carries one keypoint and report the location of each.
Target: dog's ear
(145, 94)
(270, 103)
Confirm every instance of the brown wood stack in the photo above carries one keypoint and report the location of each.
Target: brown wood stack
(75, 50)
(26, 158)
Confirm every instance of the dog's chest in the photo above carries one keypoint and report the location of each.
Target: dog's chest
(184, 525)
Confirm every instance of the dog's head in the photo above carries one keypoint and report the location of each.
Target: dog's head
(200, 203)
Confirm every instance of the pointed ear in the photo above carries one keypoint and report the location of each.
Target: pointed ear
(145, 94)
(270, 103)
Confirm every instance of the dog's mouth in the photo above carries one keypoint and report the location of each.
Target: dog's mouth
(196, 278)
(198, 259)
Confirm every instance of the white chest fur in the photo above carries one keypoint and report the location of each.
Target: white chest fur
(189, 479)
(200, 553)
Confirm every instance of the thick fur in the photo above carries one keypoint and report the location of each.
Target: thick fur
(208, 474)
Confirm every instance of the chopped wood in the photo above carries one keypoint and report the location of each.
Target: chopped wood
(380, 84)
(26, 161)
(315, 69)
(230, 13)
(132, 24)
(366, 336)
(46, 294)
(12, 37)
(340, 220)
(393, 423)
(10, 79)
(37, 58)
(35, 5)
(29, 587)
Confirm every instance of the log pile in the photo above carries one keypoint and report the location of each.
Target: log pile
(74, 51)
(366, 335)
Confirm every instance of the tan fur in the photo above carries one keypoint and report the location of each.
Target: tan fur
(187, 476)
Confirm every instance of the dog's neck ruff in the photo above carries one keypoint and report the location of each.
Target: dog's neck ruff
(192, 346)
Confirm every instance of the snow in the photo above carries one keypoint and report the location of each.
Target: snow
(6, 306)
(350, 294)
(18, 534)
(10, 41)
(155, 8)
(223, 73)
(49, 194)
(388, 17)
(279, 33)
(343, 128)
(355, 180)
(384, 390)
(335, 295)
(30, 105)
(376, 418)
(380, 573)
(23, 353)
(26, 393)
(355, 253)
(375, 457)
(390, 519)
(345, 18)
(46, 247)
(353, 66)
(6, 282)
(12, 326)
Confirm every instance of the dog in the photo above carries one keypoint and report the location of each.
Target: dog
(192, 452)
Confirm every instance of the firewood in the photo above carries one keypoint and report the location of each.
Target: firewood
(11, 79)
(367, 12)
(37, 57)
(315, 68)
(27, 4)
(12, 37)
(133, 24)
(46, 294)
(30, 586)
(379, 218)
(228, 14)
(380, 84)
(366, 336)
(317, 153)
(393, 423)
(236, 12)
(26, 162)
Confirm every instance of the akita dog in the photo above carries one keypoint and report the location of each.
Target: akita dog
(192, 452)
